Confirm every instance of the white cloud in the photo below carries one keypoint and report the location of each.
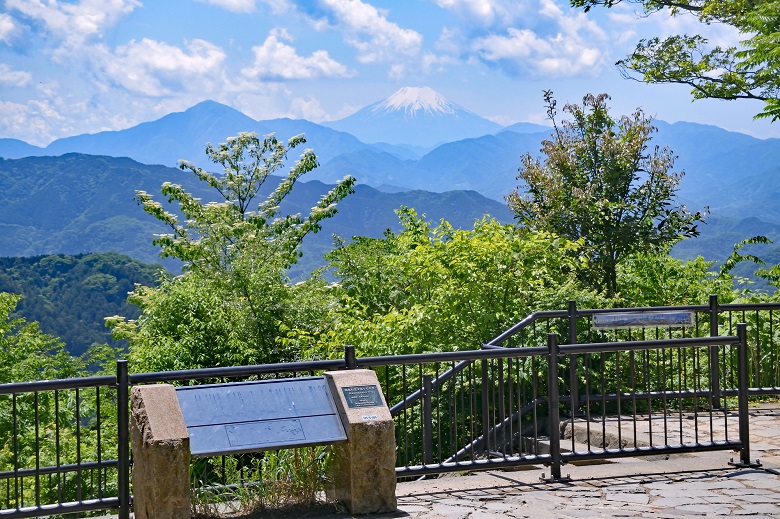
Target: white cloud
(487, 13)
(571, 46)
(14, 78)
(74, 23)
(307, 108)
(235, 6)
(7, 28)
(503, 120)
(249, 6)
(369, 31)
(663, 24)
(522, 51)
(31, 122)
(433, 63)
(155, 68)
(277, 60)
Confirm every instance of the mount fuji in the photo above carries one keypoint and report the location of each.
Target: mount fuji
(417, 116)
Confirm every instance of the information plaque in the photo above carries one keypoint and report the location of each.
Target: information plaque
(263, 415)
(642, 319)
(362, 396)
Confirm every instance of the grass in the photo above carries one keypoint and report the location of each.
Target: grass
(271, 483)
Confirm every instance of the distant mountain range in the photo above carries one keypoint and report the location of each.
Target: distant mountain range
(413, 140)
(78, 203)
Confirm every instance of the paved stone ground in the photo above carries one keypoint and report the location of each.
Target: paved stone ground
(688, 485)
(691, 485)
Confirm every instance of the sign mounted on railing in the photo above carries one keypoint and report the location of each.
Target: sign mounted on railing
(643, 319)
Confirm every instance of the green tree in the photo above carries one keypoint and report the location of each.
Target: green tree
(70, 296)
(233, 303)
(658, 279)
(435, 288)
(747, 71)
(599, 183)
(26, 353)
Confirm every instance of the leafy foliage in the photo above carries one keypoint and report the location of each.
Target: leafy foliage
(657, 279)
(745, 72)
(599, 183)
(26, 353)
(70, 296)
(233, 303)
(48, 428)
(435, 288)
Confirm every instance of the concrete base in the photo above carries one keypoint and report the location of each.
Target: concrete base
(161, 454)
(363, 469)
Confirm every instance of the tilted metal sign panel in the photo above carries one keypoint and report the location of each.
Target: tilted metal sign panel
(262, 415)
(643, 319)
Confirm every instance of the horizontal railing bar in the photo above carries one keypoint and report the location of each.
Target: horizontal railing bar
(545, 314)
(490, 463)
(596, 311)
(761, 391)
(629, 452)
(739, 307)
(450, 356)
(56, 384)
(107, 503)
(685, 393)
(236, 371)
(611, 347)
(491, 351)
(61, 469)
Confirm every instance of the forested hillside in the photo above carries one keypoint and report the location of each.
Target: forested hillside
(70, 296)
(76, 204)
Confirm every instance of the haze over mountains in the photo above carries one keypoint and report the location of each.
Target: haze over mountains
(413, 140)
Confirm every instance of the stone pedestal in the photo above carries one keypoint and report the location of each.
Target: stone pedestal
(161, 454)
(363, 468)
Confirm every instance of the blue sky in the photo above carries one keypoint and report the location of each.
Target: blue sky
(82, 66)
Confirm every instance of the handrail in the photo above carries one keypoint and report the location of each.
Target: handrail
(495, 343)
(236, 371)
(449, 356)
(57, 384)
(525, 322)
(490, 345)
(686, 342)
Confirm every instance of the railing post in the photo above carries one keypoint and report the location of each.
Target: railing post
(714, 354)
(485, 406)
(427, 418)
(574, 389)
(744, 416)
(123, 438)
(554, 403)
(349, 356)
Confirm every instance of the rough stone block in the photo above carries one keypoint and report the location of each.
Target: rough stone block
(363, 469)
(161, 454)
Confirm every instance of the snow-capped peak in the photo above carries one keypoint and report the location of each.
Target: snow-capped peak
(410, 100)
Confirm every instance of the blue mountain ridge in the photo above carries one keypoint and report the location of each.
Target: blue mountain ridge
(735, 175)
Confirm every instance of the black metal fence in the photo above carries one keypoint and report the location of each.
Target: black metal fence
(522, 399)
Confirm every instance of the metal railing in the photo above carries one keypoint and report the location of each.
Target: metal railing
(502, 407)
(58, 451)
(522, 399)
(575, 325)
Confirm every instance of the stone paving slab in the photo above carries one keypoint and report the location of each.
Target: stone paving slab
(688, 485)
